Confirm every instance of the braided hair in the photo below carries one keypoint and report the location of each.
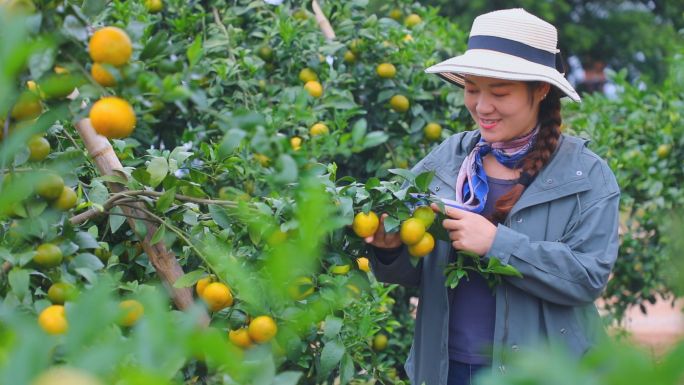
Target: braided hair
(545, 144)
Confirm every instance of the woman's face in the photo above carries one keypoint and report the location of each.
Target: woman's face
(503, 109)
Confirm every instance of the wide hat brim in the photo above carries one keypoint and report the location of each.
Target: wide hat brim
(494, 64)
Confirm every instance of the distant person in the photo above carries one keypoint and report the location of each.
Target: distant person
(532, 197)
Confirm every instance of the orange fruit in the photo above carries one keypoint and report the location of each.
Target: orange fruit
(423, 247)
(400, 103)
(48, 255)
(663, 150)
(154, 6)
(425, 215)
(407, 38)
(217, 296)
(386, 70)
(296, 143)
(319, 129)
(314, 88)
(395, 14)
(412, 231)
(66, 200)
(240, 337)
(349, 57)
(112, 117)
(50, 187)
(307, 74)
(27, 106)
(412, 20)
(380, 342)
(131, 311)
(356, 45)
(301, 288)
(39, 148)
(102, 76)
(364, 264)
(262, 329)
(61, 375)
(432, 131)
(263, 160)
(60, 292)
(265, 53)
(110, 45)
(203, 283)
(365, 225)
(53, 319)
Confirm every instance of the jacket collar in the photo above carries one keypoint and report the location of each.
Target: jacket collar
(564, 175)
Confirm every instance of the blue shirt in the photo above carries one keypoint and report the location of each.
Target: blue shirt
(472, 306)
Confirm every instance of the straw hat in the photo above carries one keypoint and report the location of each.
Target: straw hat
(509, 44)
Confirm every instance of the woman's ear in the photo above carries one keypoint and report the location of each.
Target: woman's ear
(541, 91)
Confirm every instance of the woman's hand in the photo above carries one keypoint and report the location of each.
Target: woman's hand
(384, 240)
(468, 231)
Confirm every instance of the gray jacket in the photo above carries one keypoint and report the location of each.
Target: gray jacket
(562, 235)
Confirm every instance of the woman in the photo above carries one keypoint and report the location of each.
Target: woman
(533, 198)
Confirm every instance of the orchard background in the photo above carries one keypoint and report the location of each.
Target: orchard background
(222, 252)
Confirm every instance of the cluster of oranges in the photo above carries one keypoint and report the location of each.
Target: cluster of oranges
(53, 319)
(414, 234)
(413, 231)
(111, 116)
(218, 296)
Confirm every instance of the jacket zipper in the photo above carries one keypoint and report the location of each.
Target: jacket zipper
(502, 366)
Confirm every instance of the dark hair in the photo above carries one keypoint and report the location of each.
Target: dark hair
(547, 140)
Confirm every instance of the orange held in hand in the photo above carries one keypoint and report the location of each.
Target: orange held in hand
(423, 247)
(412, 231)
(365, 225)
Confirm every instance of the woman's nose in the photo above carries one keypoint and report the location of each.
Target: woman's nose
(484, 105)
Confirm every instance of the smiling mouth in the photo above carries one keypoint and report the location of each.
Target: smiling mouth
(488, 123)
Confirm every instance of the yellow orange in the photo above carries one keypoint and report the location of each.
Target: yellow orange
(53, 320)
(400, 103)
(240, 337)
(319, 129)
(110, 45)
(364, 264)
(412, 231)
(423, 247)
(432, 131)
(314, 88)
(217, 296)
(386, 70)
(131, 311)
(102, 76)
(112, 117)
(307, 74)
(262, 329)
(365, 225)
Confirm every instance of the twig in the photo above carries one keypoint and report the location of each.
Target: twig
(217, 20)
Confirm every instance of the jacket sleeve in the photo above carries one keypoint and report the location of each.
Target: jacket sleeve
(396, 267)
(572, 271)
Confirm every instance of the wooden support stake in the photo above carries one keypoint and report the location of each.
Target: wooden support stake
(164, 262)
(323, 22)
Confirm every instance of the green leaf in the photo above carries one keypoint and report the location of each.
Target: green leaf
(287, 169)
(195, 51)
(41, 62)
(115, 221)
(359, 130)
(346, 369)
(165, 201)
(423, 180)
(287, 378)
(74, 28)
(231, 141)
(375, 138)
(87, 261)
(220, 216)
(19, 281)
(85, 241)
(141, 175)
(406, 174)
(332, 327)
(93, 8)
(158, 235)
(391, 224)
(155, 46)
(331, 356)
(158, 168)
(189, 279)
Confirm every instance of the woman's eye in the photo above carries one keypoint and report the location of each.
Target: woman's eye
(471, 91)
(499, 95)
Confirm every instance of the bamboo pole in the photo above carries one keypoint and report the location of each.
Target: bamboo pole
(323, 22)
(164, 261)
